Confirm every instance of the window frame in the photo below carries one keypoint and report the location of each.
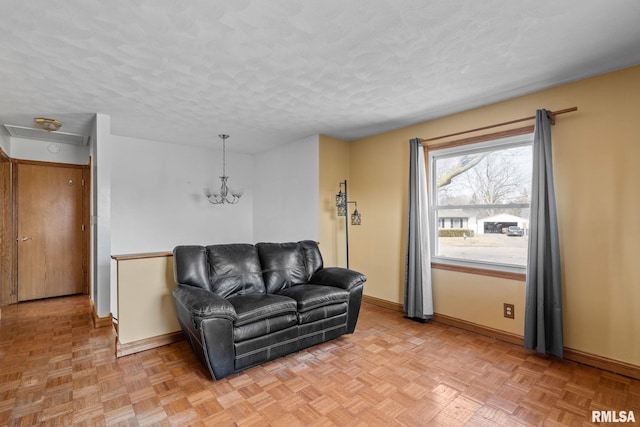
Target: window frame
(505, 139)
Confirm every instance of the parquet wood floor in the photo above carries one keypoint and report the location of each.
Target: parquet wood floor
(56, 369)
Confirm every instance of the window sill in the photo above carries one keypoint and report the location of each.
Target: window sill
(512, 274)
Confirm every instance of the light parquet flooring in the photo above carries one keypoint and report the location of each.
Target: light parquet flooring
(56, 369)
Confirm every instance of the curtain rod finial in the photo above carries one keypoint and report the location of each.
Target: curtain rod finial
(552, 117)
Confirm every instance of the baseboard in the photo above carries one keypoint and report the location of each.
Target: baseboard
(622, 368)
(616, 366)
(147, 343)
(100, 322)
(382, 303)
(479, 329)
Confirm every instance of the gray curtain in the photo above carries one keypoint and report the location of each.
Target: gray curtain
(418, 300)
(543, 307)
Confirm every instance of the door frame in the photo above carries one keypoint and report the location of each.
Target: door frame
(6, 221)
(12, 274)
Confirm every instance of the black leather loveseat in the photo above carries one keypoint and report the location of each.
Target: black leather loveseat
(240, 305)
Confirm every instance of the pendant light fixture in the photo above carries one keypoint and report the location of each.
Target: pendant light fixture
(225, 194)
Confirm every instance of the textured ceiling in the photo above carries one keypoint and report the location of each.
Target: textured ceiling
(271, 72)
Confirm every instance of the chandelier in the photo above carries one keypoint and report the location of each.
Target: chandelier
(225, 194)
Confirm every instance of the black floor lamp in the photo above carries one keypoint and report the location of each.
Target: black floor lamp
(342, 200)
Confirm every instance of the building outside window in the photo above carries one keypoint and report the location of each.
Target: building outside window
(455, 222)
(480, 200)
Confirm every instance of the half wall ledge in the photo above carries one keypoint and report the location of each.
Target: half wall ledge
(147, 316)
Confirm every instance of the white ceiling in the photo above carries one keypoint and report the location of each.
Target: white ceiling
(271, 72)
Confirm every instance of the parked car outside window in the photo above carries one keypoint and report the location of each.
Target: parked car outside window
(514, 230)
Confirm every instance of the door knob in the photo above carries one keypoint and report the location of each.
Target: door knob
(24, 239)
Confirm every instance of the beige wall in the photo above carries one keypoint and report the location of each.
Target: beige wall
(146, 307)
(597, 170)
(334, 168)
(597, 166)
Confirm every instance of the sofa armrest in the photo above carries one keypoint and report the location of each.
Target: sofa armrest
(338, 277)
(203, 304)
(207, 320)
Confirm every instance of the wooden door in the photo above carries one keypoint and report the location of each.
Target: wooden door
(49, 230)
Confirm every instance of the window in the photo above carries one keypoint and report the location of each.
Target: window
(480, 199)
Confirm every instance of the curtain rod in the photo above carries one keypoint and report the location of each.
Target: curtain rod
(552, 116)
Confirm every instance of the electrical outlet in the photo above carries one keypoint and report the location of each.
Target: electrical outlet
(509, 311)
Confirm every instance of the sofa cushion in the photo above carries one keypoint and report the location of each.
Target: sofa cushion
(312, 257)
(264, 327)
(322, 314)
(190, 266)
(234, 269)
(255, 307)
(309, 297)
(282, 265)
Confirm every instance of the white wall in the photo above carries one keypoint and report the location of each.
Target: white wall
(157, 201)
(36, 149)
(4, 143)
(100, 149)
(147, 196)
(286, 192)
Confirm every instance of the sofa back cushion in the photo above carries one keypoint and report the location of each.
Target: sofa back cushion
(190, 266)
(312, 257)
(282, 265)
(234, 269)
(288, 264)
(225, 270)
